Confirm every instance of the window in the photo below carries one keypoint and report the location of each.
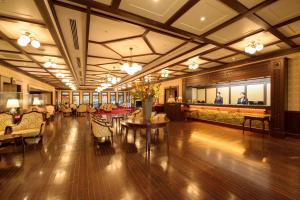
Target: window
(128, 97)
(104, 97)
(120, 98)
(95, 99)
(76, 98)
(65, 97)
(86, 98)
(112, 97)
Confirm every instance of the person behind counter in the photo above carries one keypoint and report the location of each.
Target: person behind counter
(243, 99)
(219, 98)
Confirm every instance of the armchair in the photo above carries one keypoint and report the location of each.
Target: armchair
(50, 112)
(81, 109)
(31, 125)
(101, 130)
(6, 120)
(65, 110)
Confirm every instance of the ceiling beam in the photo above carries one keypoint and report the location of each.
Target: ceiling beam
(115, 4)
(56, 32)
(148, 42)
(252, 16)
(287, 22)
(87, 33)
(187, 6)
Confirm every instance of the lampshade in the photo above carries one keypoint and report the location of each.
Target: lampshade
(36, 101)
(12, 103)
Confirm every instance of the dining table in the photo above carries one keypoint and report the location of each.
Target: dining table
(153, 123)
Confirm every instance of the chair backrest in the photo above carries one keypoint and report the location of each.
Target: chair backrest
(5, 120)
(50, 109)
(100, 130)
(73, 106)
(31, 120)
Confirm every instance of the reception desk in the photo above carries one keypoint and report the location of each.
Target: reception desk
(231, 115)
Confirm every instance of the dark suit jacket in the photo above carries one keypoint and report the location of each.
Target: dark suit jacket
(219, 100)
(242, 101)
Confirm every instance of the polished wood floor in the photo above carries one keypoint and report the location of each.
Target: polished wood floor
(203, 162)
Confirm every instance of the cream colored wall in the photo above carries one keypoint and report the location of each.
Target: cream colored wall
(211, 95)
(294, 84)
(26, 82)
(225, 94)
(171, 83)
(236, 93)
(201, 95)
(255, 92)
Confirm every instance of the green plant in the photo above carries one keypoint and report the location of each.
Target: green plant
(145, 91)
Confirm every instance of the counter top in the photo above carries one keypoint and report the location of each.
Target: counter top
(226, 105)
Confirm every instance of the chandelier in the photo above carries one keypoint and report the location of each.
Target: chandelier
(25, 39)
(113, 79)
(60, 75)
(253, 47)
(49, 64)
(131, 68)
(164, 73)
(193, 66)
(103, 86)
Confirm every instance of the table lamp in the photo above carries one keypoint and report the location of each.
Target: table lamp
(12, 104)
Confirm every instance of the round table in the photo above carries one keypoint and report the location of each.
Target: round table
(148, 125)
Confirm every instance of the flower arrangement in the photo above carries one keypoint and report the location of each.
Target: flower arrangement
(146, 91)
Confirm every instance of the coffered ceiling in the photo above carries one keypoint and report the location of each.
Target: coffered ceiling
(89, 40)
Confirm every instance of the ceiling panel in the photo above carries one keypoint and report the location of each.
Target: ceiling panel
(178, 67)
(234, 58)
(23, 64)
(96, 61)
(32, 69)
(49, 50)
(102, 51)
(263, 37)
(274, 47)
(280, 11)
(107, 2)
(14, 56)
(144, 59)
(44, 59)
(13, 30)
(234, 31)
(291, 29)
(103, 29)
(6, 46)
(214, 12)
(162, 43)
(210, 65)
(250, 3)
(122, 47)
(297, 40)
(218, 54)
(153, 9)
(25, 9)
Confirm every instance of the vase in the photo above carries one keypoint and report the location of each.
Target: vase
(147, 108)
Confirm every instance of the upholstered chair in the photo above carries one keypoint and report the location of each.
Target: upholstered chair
(91, 109)
(6, 120)
(31, 125)
(101, 130)
(65, 110)
(82, 108)
(50, 112)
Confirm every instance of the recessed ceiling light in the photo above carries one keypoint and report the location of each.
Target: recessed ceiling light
(202, 18)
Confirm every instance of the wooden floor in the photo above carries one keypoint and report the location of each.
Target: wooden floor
(203, 162)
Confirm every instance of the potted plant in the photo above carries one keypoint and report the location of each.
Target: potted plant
(147, 93)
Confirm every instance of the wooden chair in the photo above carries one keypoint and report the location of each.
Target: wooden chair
(82, 108)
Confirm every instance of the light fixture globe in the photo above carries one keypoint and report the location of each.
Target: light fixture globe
(35, 43)
(259, 46)
(47, 64)
(24, 40)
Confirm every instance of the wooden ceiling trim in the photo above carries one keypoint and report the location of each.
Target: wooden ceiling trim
(148, 42)
(4, 37)
(116, 40)
(140, 55)
(87, 33)
(187, 6)
(245, 36)
(252, 16)
(287, 22)
(12, 67)
(56, 36)
(241, 9)
(106, 46)
(102, 57)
